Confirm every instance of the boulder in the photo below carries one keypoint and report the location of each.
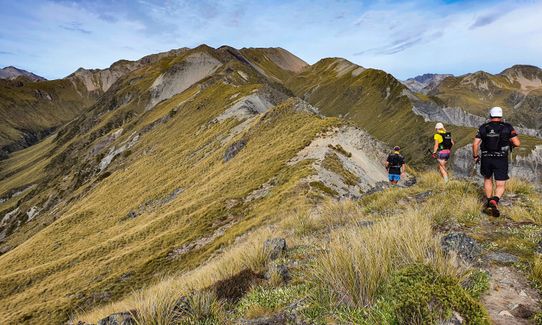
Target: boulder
(122, 318)
(502, 257)
(464, 246)
(275, 246)
(234, 149)
(281, 270)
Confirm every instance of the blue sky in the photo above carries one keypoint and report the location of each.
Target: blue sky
(405, 38)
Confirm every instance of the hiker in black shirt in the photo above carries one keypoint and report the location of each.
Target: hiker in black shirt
(495, 138)
(395, 164)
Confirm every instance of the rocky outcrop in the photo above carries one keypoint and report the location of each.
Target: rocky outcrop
(182, 76)
(464, 246)
(275, 247)
(348, 161)
(431, 112)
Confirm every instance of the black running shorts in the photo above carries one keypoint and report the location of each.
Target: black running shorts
(494, 166)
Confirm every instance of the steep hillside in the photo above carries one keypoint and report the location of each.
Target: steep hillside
(31, 110)
(372, 99)
(171, 165)
(12, 72)
(418, 255)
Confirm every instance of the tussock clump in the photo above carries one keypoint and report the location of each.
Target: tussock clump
(357, 262)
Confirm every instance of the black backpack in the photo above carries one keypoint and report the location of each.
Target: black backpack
(446, 141)
(493, 137)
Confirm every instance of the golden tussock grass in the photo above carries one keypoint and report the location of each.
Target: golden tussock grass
(358, 261)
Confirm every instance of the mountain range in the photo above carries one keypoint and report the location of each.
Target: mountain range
(12, 72)
(114, 178)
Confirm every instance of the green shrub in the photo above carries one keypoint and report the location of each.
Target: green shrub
(420, 295)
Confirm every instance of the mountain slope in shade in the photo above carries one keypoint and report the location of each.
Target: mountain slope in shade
(12, 72)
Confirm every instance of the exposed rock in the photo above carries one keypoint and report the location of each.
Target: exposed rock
(365, 161)
(4, 249)
(464, 246)
(423, 196)
(502, 257)
(456, 319)
(234, 149)
(526, 166)
(281, 270)
(275, 246)
(188, 247)
(538, 248)
(505, 313)
(522, 311)
(365, 223)
(32, 213)
(508, 289)
(182, 76)
(115, 152)
(123, 318)
(131, 215)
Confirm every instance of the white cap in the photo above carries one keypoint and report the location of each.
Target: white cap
(495, 112)
(439, 126)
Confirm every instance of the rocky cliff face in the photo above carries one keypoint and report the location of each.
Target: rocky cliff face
(430, 111)
(527, 167)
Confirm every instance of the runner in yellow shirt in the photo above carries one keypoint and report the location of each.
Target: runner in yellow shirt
(442, 149)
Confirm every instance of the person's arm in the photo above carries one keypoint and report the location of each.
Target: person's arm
(476, 148)
(514, 139)
(403, 169)
(435, 146)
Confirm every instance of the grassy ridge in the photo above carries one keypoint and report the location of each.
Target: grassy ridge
(374, 261)
(94, 231)
(373, 100)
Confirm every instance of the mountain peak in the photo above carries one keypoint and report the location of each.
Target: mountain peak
(11, 72)
(426, 82)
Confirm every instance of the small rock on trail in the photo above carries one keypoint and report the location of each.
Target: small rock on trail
(510, 297)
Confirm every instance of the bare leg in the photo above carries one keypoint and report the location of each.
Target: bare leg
(442, 168)
(488, 186)
(499, 188)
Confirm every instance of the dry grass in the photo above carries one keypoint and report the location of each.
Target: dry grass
(519, 186)
(359, 260)
(157, 301)
(536, 272)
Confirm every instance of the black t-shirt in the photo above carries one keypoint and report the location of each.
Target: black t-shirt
(395, 161)
(495, 138)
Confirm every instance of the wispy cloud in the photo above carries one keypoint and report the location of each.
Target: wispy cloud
(486, 19)
(55, 37)
(75, 27)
